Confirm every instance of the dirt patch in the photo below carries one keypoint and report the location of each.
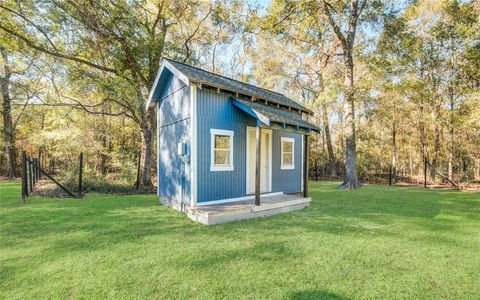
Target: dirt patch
(8, 179)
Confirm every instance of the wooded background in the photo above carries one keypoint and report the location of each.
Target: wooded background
(391, 82)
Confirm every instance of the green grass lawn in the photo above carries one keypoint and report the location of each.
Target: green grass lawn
(378, 242)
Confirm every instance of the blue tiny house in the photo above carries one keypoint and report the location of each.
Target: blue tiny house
(223, 141)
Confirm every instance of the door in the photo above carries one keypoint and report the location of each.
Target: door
(265, 160)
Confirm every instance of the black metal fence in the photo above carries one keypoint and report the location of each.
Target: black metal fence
(33, 169)
(315, 174)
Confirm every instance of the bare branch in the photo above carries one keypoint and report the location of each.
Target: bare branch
(288, 15)
(31, 23)
(338, 32)
(33, 45)
(362, 6)
(93, 23)
(353, 20)
(78, 105)
(29, 97)
(191, 36)
(158, 17)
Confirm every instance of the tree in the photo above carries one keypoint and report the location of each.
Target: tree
(116, 48)
(347, 41)
(414, 90)
(18, 87)
(295, 31)
(8, 129)
(423, 63)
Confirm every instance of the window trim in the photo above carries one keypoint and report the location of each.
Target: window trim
(282, 165)
(213, 133)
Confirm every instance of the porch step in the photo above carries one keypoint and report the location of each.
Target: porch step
(228, 213)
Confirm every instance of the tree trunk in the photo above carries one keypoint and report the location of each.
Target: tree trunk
(326, 125)
(410, 163)
(341, 135)
(8, 128)
(351, 179)
(423, 138)
(147, 134)
(450, 166)
(331, 155)
(103, 156)
(436, 149)
(451, 146)
(394, 144)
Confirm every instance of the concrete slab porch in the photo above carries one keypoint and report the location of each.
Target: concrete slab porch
(241, 210)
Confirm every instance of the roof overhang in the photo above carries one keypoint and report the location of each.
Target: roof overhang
(275, 118)
(251, 111)
(169, 68)
(164, 73)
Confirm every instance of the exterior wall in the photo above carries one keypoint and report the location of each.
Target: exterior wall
(173, 124)
(215, 110)
(287, 181)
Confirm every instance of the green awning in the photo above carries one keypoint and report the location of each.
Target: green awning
(273, 116)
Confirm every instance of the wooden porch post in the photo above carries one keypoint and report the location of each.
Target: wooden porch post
(258, 139)
(305, 166)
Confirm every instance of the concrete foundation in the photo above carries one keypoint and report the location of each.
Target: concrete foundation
(241, 210)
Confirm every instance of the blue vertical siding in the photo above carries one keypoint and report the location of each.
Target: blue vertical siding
(287, 181)
(216, 111)
(173, 127)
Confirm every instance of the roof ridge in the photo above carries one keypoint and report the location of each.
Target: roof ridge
(255, 86)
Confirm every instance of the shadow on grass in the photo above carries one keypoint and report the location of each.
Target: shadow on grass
(315, 294)
(261, 251)
(377, 211)
(92, 223)
(102, 221)
(72, 228)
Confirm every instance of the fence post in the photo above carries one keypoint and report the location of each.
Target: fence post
(38, 172)
(80, 173)
(27, 164)
(34, 171)
(316, 170)
(39, 162)
(425, 173)
(137, 183)
(24, 177)
(30, 174)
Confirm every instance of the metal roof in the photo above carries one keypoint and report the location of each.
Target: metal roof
(201, 76)
(267, 114)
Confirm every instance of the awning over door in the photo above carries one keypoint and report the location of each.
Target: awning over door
(273, 116)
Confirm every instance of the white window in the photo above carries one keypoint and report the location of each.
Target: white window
(222, 150)
(287, 148)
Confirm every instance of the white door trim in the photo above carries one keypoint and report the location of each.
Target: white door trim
(269, 151)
